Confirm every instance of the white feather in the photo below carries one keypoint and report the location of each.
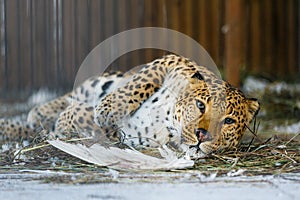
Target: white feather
(123, 159)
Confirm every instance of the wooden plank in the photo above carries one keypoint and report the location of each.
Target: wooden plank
(202, 24)
(25, 45)
(194, 18)
(255, 39)
(297, 7)
(50, 42)
(40, 68)
(60, 43)
(53, 40)
(214, 30)
(148, 22)
(34, 68)
(134, 20)
(291, 37)
(43, 49)
(172, 9)
(12, 44)
(280, 53)
(268, 42)
(81, 32)
(69, 39)
(221, 39)
(159, 19)
(181, 18)
(95, 14)
(109, 21)
(206, 25)
(186, 24)
(121, 25)
(109, 18)
(234, 48)
(3, 45)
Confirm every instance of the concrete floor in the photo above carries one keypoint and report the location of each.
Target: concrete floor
(183, 187)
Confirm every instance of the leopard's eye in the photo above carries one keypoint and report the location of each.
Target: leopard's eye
(229, 121)
(200, 105)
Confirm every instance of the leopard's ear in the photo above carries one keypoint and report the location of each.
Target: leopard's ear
(253, 107)
(198, 76)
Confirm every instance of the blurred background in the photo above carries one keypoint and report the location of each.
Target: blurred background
(44, 42)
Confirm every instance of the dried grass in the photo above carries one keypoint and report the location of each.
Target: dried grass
(275, 155)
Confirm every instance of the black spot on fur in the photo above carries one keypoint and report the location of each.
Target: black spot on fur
(155, 100)
(140, 138)
(171, 62)
(89, 108)
(136, 78)
(106, 85)
(81, 120)
(156, 81)
(138, 86)
(95, 82)
(87, 94)
(155, 62)
(148, 85)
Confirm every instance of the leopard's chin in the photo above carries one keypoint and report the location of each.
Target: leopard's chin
(195, 152)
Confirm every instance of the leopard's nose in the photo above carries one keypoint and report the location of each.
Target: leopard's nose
(202, 135)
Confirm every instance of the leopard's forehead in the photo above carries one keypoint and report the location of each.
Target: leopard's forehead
(217, 89)
(235, 102)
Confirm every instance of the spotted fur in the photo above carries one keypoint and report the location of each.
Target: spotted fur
(171, 100)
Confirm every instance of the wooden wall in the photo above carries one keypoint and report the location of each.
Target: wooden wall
(44, 42)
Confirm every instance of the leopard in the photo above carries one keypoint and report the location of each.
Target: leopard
(169, 101)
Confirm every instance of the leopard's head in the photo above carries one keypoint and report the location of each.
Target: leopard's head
(229, 126)
(213, 115)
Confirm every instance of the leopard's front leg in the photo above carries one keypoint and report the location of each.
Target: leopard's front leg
(124, 101)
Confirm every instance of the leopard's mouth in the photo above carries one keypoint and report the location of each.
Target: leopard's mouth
(195, 152)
